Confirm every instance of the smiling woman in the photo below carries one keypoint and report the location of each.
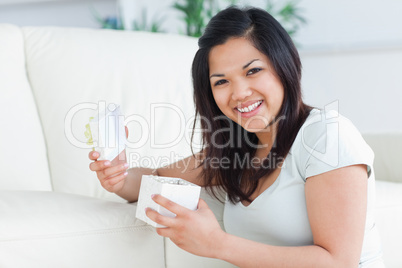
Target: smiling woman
(297, 179)
(252, 61)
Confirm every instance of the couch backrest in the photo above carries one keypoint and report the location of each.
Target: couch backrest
(387, 148)
(73, 70)
(23, 159)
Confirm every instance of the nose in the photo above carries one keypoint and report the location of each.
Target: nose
(240, 91)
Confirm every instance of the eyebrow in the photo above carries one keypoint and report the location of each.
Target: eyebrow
(244, 67)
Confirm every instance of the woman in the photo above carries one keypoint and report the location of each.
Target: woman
(299, 181)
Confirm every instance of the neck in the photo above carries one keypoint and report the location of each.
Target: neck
(266, 137)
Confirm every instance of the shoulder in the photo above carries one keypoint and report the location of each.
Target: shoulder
(326, 141)
(326, 124)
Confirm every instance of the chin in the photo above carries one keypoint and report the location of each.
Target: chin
(255, 124)
(256, 128)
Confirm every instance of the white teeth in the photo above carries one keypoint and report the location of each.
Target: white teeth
(249, 108)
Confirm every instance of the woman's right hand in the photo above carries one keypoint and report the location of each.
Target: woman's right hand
(111, 174)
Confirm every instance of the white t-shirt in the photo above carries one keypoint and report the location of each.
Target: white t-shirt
(278, 216)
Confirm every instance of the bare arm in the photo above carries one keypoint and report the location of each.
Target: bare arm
(336, 205)
(115, 177)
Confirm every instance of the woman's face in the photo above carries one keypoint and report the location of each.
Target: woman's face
(244, 85)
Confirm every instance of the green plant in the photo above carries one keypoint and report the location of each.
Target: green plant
(289, 15)
(116, 22)
(196, 14)
(143, 25)
(109, 22)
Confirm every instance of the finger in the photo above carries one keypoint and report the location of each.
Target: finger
(164, 231)
(99, 165)
(126, 128)
(168, 204)
(116, 179)
(158, 218)
(93, 155)
(109, 172)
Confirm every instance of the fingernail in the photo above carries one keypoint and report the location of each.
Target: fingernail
(125, 165)
(153, 195)
(107, 163)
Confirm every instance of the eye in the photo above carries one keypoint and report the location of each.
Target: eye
(220, 82)
(253, 71)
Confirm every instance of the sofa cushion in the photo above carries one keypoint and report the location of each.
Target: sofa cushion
(49, 229)
(23, 159)
(73, 70)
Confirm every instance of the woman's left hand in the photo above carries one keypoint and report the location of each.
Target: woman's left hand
(197, 232)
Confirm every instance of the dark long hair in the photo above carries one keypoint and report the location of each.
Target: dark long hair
(269, 37)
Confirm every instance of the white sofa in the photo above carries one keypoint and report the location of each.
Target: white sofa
(53, 211)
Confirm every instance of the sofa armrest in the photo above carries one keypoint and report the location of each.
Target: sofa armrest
(389, 220)
(49, 229)
(387, 148)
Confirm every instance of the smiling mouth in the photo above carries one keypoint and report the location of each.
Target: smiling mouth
(249, 108)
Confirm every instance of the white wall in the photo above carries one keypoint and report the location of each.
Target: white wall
(67, 13)
(351, 50)
(351, 24)
(352, 53)
(367, 85)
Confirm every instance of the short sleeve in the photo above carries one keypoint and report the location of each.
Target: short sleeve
(330, 141)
